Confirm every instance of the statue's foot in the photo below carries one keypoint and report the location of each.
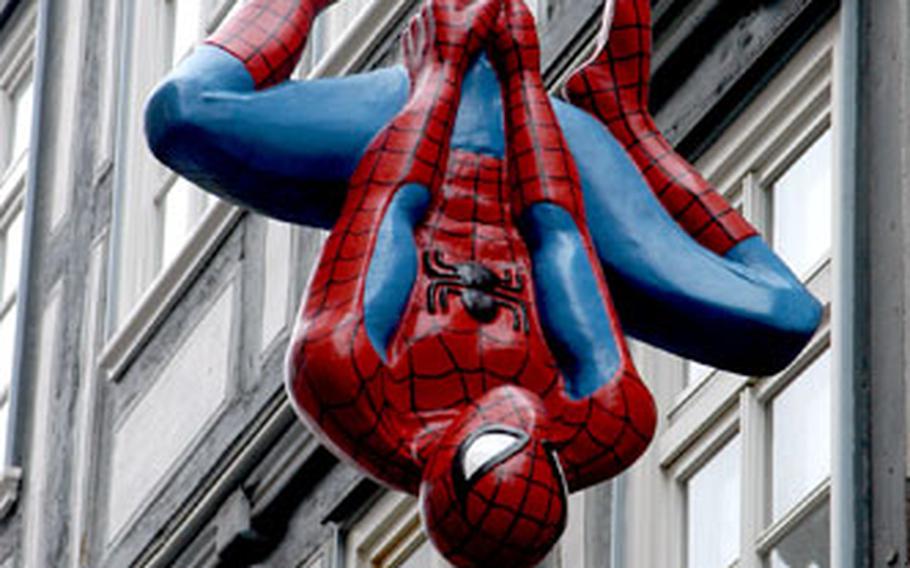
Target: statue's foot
(614, 83)
(448, 32)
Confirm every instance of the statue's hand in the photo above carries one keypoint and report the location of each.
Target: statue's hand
(448, 32)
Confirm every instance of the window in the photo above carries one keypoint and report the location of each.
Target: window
(22, 120)
(808, 546)
(17, 99)
(180, 205)
(801, 436)
(801, 215)
(800, 424)
(158, 210)
(748, 459)
(16, 110)
(712, 510)
(179, 209)
(16, 104)
(185, 27)
(10, 261)
(163, 227)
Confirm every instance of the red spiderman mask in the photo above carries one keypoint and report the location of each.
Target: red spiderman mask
(494, 492)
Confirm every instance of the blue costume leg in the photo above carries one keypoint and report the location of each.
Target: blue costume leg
(745, 311)
(286, 152)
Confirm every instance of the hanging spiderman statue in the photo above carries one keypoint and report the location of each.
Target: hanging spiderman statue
(460, 339)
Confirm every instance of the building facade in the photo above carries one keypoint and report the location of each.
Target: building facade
(143, 323)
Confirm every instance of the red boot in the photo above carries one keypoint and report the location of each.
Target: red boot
(613, 86)
(268, 36)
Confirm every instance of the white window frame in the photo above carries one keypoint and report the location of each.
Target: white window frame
(16, 62)
(744, 164)
(17, 47)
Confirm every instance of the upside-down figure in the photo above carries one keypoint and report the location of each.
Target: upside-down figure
(460, 338)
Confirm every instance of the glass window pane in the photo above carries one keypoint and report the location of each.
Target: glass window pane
(176, 221)
(802, 208)
(187, 25)
(7, 341)
(801, 436)
(713, 510)
(806, 547)
(12, 259)
(22, 119)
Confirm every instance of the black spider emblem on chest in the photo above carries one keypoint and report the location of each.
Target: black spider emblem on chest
(483, 293)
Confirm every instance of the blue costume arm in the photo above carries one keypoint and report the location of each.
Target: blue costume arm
(286, 152)
(745, 311)
(572, 312)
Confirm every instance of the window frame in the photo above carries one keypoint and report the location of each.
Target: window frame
(701, 458)
(17, 65)
(17, 57)
(773, 132)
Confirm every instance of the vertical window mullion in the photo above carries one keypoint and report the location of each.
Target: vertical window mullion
(753, 425)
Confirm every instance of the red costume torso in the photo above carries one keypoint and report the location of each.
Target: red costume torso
(442, 358)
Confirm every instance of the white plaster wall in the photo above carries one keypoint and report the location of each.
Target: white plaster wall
(86, 426)
(164, 424)
(572, 544)
(37, 467)
(66, 141)
(276, 292)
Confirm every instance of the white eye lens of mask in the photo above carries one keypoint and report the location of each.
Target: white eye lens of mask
(486, 448)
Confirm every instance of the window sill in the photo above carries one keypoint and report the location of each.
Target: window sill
(166, 289)
(10, 481)
(810, 503)
(705, 403)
